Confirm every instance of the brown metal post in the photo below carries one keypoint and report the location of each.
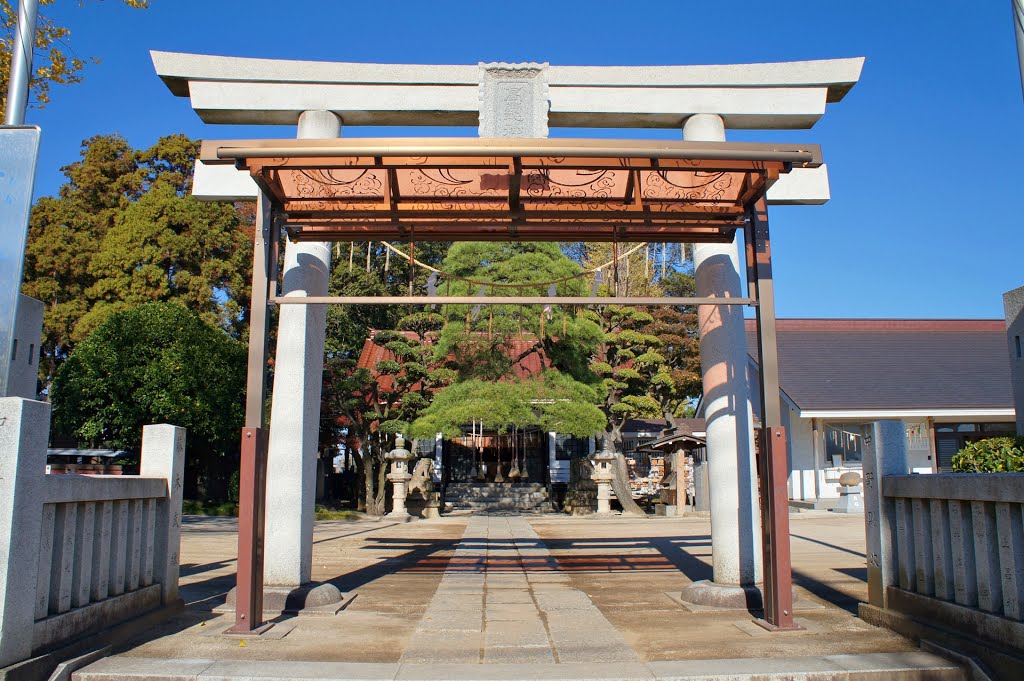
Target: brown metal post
(252, 486)
(773, 464)
(252, 482)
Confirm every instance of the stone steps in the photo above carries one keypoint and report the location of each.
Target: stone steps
(496, 496)
(909, 666)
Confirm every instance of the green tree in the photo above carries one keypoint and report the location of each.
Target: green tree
(122, 231)
(157, 363)
(550, 402)
(372, 404)
(675, 326)
(630, 366)
(55, 63)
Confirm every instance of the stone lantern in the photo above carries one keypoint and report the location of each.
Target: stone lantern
(399, 477)
(604, 472)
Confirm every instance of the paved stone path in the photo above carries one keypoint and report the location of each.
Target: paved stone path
(501, 599)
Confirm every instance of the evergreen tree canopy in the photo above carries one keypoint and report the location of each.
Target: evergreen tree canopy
(550, 402)
(123, 231)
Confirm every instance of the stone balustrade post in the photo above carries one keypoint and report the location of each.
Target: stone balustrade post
(163, 456)
(24, 432)
(884, 453)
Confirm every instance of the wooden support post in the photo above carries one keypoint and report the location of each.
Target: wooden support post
(252, 482)
(772, 464)
(252, 486)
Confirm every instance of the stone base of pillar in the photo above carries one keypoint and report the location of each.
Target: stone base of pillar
(400, 517)
(312, 598)
(708, 594)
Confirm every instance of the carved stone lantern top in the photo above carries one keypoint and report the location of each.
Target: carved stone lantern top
(399, 453)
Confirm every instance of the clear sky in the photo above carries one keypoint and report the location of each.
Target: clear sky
(926, 154)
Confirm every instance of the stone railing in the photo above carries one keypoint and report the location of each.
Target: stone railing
(82, 553)
(945, 552)
(960, 538)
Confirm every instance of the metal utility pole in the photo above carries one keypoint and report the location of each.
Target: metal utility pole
(19, 149)
(21, 62)
(1018, 24)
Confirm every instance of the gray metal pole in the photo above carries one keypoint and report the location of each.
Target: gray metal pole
(21, 63)
(1018, 23)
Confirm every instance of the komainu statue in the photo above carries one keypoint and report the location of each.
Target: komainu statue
(423, 500)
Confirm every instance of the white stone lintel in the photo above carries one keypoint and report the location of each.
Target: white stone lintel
(234, 90)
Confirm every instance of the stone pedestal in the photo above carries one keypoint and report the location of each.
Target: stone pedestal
(850, 498)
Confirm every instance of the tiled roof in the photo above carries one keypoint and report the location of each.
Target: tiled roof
(892, 363)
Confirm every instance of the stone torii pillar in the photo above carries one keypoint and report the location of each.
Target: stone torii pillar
(735, 515)
(295, 410)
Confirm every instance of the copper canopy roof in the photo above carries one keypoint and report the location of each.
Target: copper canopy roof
(530, 189)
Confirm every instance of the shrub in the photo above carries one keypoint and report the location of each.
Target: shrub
(323, 513)
(992, 455)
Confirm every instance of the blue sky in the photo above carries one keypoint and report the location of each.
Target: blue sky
(924, 154)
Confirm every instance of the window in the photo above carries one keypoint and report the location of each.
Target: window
(950, 438)
(843, 444)
(424, 448)
(569, 447)
(631, 444)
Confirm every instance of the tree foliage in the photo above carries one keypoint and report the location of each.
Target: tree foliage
(155, 363)
(54, 62)
(551, 402)
(123, 231)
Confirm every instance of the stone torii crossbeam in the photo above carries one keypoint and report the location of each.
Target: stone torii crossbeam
(523, 101)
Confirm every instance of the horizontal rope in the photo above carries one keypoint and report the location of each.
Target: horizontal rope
(524, 285)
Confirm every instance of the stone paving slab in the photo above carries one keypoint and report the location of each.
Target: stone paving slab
(517, 633)
(624, 567)
(521, 655)
(907, 666)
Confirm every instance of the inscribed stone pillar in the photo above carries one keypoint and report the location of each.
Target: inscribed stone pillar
(735, 517)
(884, 453)
(295, 410)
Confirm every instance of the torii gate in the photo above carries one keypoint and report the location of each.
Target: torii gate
(513, 184)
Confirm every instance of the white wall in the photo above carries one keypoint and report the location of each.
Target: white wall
(801, 446)
(800, 443)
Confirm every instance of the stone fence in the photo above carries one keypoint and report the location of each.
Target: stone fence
(82, 553)
(959, 538)
(945, 552)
